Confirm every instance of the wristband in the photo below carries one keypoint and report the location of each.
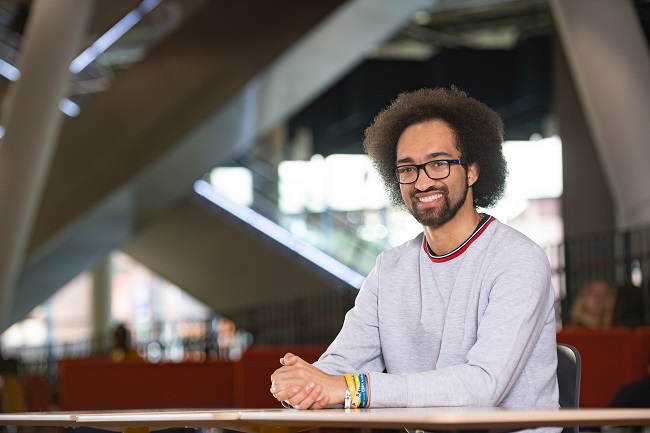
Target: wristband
(362, 391)
(367, 377)
(356, 399)
(357, 394)
(350, 382)
(346, 405)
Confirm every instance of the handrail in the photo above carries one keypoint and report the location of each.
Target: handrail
(338, 236)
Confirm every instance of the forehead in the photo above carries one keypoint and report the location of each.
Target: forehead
(426, 138)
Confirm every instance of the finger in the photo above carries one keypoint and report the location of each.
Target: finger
(320, 404)
(277, 387)
(312, 392)
(289, 359)
(306, 397)
(286, 357)
(284, 378)
(289, 394)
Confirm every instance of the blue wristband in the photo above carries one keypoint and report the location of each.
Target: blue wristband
(362, 390)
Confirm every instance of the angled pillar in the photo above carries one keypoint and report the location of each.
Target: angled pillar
(609, 59)
(32, 121)
(582, 170)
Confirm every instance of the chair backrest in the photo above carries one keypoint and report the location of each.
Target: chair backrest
(569, 366)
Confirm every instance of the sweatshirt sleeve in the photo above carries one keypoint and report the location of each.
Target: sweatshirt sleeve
(357, 347)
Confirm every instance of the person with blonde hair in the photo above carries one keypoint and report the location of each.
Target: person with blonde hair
(594, 305)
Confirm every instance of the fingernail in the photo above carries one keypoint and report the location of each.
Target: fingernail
(312, 384)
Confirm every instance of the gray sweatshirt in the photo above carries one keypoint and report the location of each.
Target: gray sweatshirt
(475, 327)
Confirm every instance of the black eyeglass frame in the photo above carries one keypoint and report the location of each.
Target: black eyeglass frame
(423, 166)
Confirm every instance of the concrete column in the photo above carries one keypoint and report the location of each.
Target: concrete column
(32, 121)
(101, 303)
(610, 62)
(582, 168)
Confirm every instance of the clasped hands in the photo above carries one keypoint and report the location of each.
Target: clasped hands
(304, 386)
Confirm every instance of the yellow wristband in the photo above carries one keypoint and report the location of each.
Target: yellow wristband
(350, 382)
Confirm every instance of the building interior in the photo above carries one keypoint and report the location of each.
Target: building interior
(109, 143)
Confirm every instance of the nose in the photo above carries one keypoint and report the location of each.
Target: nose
(423, 182)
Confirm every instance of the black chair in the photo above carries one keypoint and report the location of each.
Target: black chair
(569, 367)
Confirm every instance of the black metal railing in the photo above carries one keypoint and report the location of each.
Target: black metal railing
(618, 256)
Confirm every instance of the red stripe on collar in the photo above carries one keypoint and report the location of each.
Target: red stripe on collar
(461, 249)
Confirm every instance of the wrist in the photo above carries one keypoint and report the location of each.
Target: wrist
(341, 390)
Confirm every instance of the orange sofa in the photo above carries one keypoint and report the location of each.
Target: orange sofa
(98, 383)
(610, 358)
(90, 384)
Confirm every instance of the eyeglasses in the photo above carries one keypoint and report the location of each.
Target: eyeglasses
(438, 169)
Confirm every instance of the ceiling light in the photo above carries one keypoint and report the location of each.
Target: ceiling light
(9, 71)
(69, 108)
(112, 35)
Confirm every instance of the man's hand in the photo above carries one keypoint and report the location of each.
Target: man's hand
(304, 386)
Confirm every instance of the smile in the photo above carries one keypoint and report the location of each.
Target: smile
(429, 198)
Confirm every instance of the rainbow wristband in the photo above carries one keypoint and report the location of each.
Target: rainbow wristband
(356, 400)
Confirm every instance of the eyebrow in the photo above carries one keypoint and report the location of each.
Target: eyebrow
(429, 157)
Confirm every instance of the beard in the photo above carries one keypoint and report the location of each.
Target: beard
(437, 217)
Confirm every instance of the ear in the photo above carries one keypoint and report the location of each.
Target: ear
(472, 173)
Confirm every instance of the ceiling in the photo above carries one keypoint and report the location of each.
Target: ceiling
(500, 52)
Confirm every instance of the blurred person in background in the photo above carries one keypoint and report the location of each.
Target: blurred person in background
(593, 306)
(13, 397)
(122, 350)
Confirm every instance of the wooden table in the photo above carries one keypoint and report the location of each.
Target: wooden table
(290, 420)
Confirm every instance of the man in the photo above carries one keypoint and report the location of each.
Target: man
(462, 315)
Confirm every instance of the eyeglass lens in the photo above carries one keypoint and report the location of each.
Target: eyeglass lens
(433, 169)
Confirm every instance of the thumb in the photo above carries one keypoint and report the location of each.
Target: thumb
(289, 359)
